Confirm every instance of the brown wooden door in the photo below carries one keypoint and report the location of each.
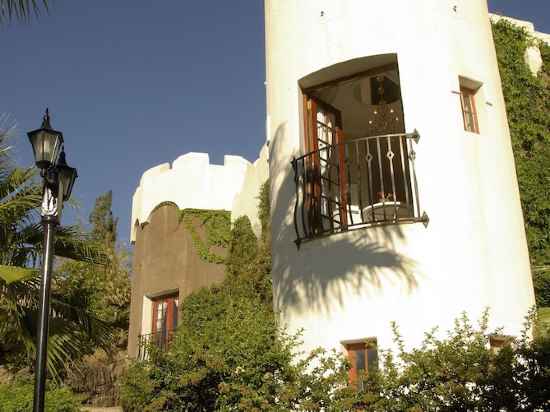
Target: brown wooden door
(326, 186)
(357, 359)
(165, 318)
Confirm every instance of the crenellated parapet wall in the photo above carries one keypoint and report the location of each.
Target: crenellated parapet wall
(191, 182)
(247, 201)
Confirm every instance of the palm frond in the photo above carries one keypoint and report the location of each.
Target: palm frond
(72, 243)
(12, 274)
(22, 243)
(73, 330)
(20, 9)
(69, 242)
(96, 330)
(23, 205)
(16, 179)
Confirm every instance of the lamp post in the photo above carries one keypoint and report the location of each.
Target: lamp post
(58, 180)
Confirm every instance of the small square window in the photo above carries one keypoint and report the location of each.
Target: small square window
(497, 342)
(363, 357)
(469, 113)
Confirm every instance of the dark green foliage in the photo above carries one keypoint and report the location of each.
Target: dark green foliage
(104, 225)
(263, 261)
(18, 397)
(72, 327)
(104, 289)
(264, 212)
(138, 388)
(528, 106)
(216, 225)
(461, 373)
(249, 259)
(542, 327)
(105, 292)
(229, 354)
(541, 282)
(243, 248)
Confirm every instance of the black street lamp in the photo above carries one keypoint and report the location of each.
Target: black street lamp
(58, 181)
(46, 143)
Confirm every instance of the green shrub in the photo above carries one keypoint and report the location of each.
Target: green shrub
(137, 389)
(462, 373)
(243, 248)
(527, 100)
(230, 354)
(18, 397)
(227, 357)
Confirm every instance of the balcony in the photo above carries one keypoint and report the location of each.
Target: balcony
(358, 183)
(158, 341)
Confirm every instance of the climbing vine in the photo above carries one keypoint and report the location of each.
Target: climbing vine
(217, 231)
(528, 106)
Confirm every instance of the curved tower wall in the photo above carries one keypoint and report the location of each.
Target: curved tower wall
(473, 253)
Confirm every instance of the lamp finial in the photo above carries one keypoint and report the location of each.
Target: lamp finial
(46, 120)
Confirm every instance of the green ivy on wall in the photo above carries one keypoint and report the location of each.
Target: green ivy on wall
(528, 106)
(217, 231)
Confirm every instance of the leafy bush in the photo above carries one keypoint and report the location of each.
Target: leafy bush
(527, 100)
(137, 390)
(243, 248)
(227, 358)
(229, 354)
(18, 397)
(462, 373)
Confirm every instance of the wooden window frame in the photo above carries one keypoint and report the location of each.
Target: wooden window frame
(310, 105)
(354, 346)
(497, 342)
(171, 316)
(470, 94)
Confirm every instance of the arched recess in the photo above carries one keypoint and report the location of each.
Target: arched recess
(356, 169)
(361, 96)
(160, 205)
(141, 225)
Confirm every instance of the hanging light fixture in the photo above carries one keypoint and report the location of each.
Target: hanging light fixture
(66, 175)
(46, 143)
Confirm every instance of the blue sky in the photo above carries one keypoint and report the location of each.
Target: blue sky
(136, 83)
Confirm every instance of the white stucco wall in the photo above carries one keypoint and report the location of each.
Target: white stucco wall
(191, 183)
(246, 201)
(473, 254)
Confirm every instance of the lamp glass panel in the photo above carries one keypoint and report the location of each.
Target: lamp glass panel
(67, 176)
(52, 146)
(46, 146)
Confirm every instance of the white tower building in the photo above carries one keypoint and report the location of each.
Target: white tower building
(374, 222)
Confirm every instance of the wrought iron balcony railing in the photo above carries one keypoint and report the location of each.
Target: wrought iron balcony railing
(355, 184)
(159, 340)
